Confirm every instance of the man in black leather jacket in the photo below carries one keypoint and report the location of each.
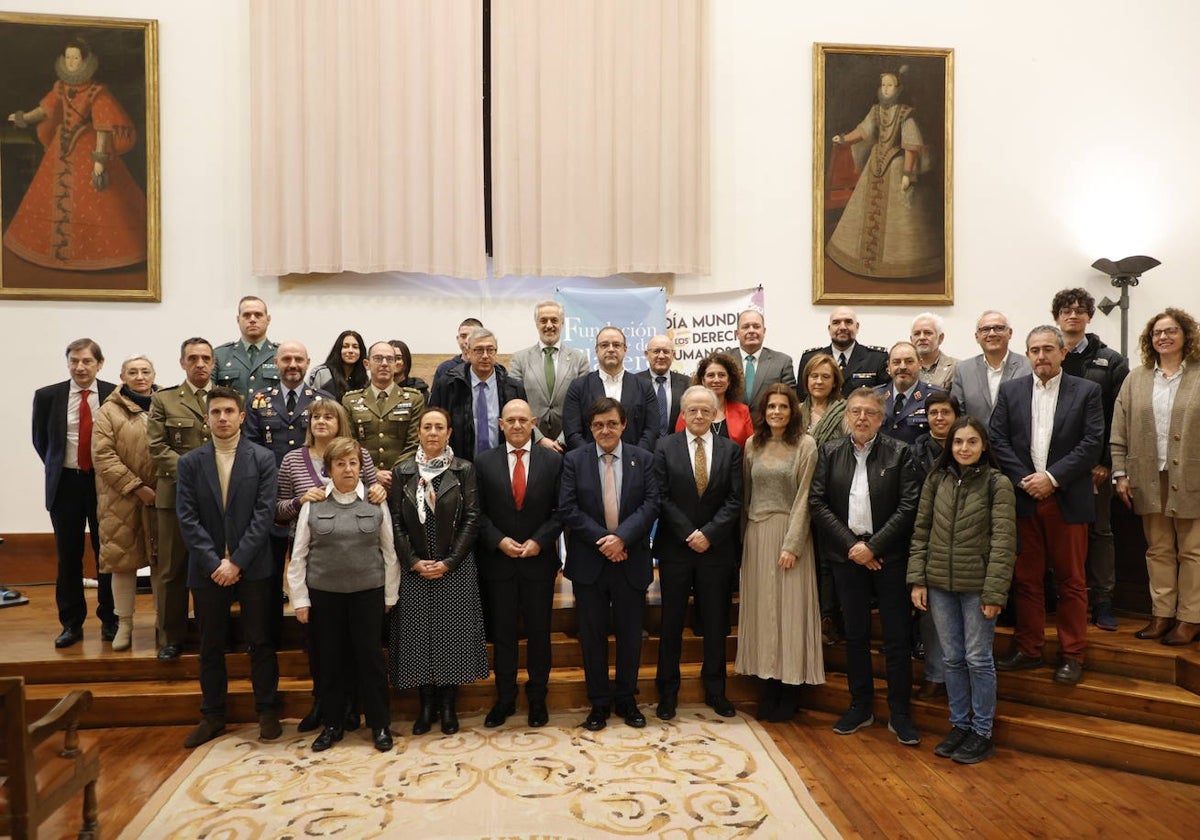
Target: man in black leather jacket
(863, 502)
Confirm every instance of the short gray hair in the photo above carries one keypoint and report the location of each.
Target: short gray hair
(562, 312)
(693, 390)
(939, 324)
(1047, 328)
(125, 362)
(478, 334)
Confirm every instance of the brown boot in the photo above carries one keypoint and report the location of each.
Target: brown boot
(1185, 633)
(1158, 626)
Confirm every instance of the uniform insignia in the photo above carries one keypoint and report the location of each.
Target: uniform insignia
(259, 401)
(229, 364)
(917, 395)
(308, 392)
(404, 405)
(267, 437)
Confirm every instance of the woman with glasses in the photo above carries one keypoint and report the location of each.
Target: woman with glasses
(1156, 468)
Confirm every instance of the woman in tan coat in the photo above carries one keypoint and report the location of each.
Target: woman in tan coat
(125, 488)
(1155, 447)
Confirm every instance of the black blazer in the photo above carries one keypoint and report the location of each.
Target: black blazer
(637, 397)
(895, 484)
(453, 393)
(1076, 443)
(581, 509)
(456, 508)
(242, 525)
(717, 513)
(536, 520)
(50, 428)
(678, 384)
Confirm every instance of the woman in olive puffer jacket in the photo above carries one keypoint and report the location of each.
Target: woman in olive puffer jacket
(960, 566)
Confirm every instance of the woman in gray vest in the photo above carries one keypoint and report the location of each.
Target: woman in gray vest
(344, 576)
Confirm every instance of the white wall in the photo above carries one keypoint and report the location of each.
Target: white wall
(1071, 143)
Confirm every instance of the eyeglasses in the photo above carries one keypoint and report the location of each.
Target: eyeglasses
(484, 351)
(1165, 332)
(379, 360)
(1072, 310)
(864, 412)
(601, 425)
(994, 328)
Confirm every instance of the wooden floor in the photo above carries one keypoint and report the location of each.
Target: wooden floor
(868, 784)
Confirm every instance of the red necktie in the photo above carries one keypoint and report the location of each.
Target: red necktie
(85, 432)
(518, 481)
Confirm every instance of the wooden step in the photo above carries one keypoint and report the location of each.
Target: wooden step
(1170, 754)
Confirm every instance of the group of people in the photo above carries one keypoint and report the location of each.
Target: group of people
(898, 479)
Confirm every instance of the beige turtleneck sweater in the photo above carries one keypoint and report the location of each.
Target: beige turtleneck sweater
(226, 449)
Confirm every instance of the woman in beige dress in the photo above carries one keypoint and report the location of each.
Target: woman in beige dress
(125, 478)
(1156, 462)
(779, 629)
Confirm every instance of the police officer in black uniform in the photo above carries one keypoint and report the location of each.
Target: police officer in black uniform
(862, 365)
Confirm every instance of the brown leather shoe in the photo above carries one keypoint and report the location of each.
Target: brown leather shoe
(1158, 627)
(1185, 633)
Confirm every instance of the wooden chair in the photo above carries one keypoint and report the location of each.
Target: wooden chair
(37, 776)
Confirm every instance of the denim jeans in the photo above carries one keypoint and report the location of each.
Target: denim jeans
(967, 652)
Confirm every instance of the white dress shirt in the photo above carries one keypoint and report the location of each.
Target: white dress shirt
(612, 384)
(512, 460)
(858, 511)
(1044, 404)
(708, 451)
(71, 455)
(995, 375)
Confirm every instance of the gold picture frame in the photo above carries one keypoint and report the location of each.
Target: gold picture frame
(883, 192)
(79, 158)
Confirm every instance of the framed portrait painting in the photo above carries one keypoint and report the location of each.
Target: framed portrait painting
(79, 185)
(883, 141)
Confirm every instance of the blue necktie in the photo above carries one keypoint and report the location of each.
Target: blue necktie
(661, 393)
(482, 440)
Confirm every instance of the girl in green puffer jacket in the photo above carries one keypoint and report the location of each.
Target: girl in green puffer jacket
(960, 566)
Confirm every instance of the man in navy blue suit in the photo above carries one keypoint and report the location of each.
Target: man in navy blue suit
(608, 501)
(225, 501)
(62, 436)
(610, 379)
(1047, 433)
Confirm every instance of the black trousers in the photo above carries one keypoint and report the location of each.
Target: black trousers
(212, 604)
(511, 600)
(855, 586)
(711, 585)
(74, 509)
(593, 602)
(346, 627)
(280, 543)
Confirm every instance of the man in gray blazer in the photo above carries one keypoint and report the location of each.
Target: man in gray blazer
(547, 369)
(761, 366)
(977, 380)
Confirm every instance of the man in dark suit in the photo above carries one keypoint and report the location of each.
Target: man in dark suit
(667, 384)
(863, 501)
(761, 366)
(474, 392)
(637, 398)
(225, 500)
(700, 478)
(248, 364)
(277, 418)
(1047, 433)
(62, 436)
(862, 366)
(517, 555)
(904, 406)
(608, 501)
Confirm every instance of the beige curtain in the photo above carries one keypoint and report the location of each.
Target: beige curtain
(367, 136)
(600, 157)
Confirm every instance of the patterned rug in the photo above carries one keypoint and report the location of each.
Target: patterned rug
(699, 776)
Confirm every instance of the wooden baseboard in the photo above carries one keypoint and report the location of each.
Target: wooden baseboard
(27, 558)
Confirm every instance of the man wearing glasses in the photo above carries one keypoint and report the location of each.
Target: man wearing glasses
(1091, 358)
(610, 379)
(474, 392)
(977, 380)
(383, 415)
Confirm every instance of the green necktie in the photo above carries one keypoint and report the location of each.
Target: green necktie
(751, 369)
(548, 367)
(252, 352)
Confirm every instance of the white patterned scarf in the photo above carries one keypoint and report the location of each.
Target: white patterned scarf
(429, 469)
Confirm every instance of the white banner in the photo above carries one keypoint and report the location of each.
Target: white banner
(703, 324)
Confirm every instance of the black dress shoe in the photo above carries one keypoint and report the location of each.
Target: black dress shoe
(448, 712)
(353, 719)
(499, 714)
(329, 736)
(1019, 662)
(108, 631)
(1069, 672)
(666, 708)
(597, 719)
(633, 715)
(382, 738)
(311, 722)
(68, 637)
(539, 715)
(720, 704)
(169, 652)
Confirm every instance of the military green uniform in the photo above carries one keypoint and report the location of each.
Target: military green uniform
(387, 429)
(234, 368)
(178, 424)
